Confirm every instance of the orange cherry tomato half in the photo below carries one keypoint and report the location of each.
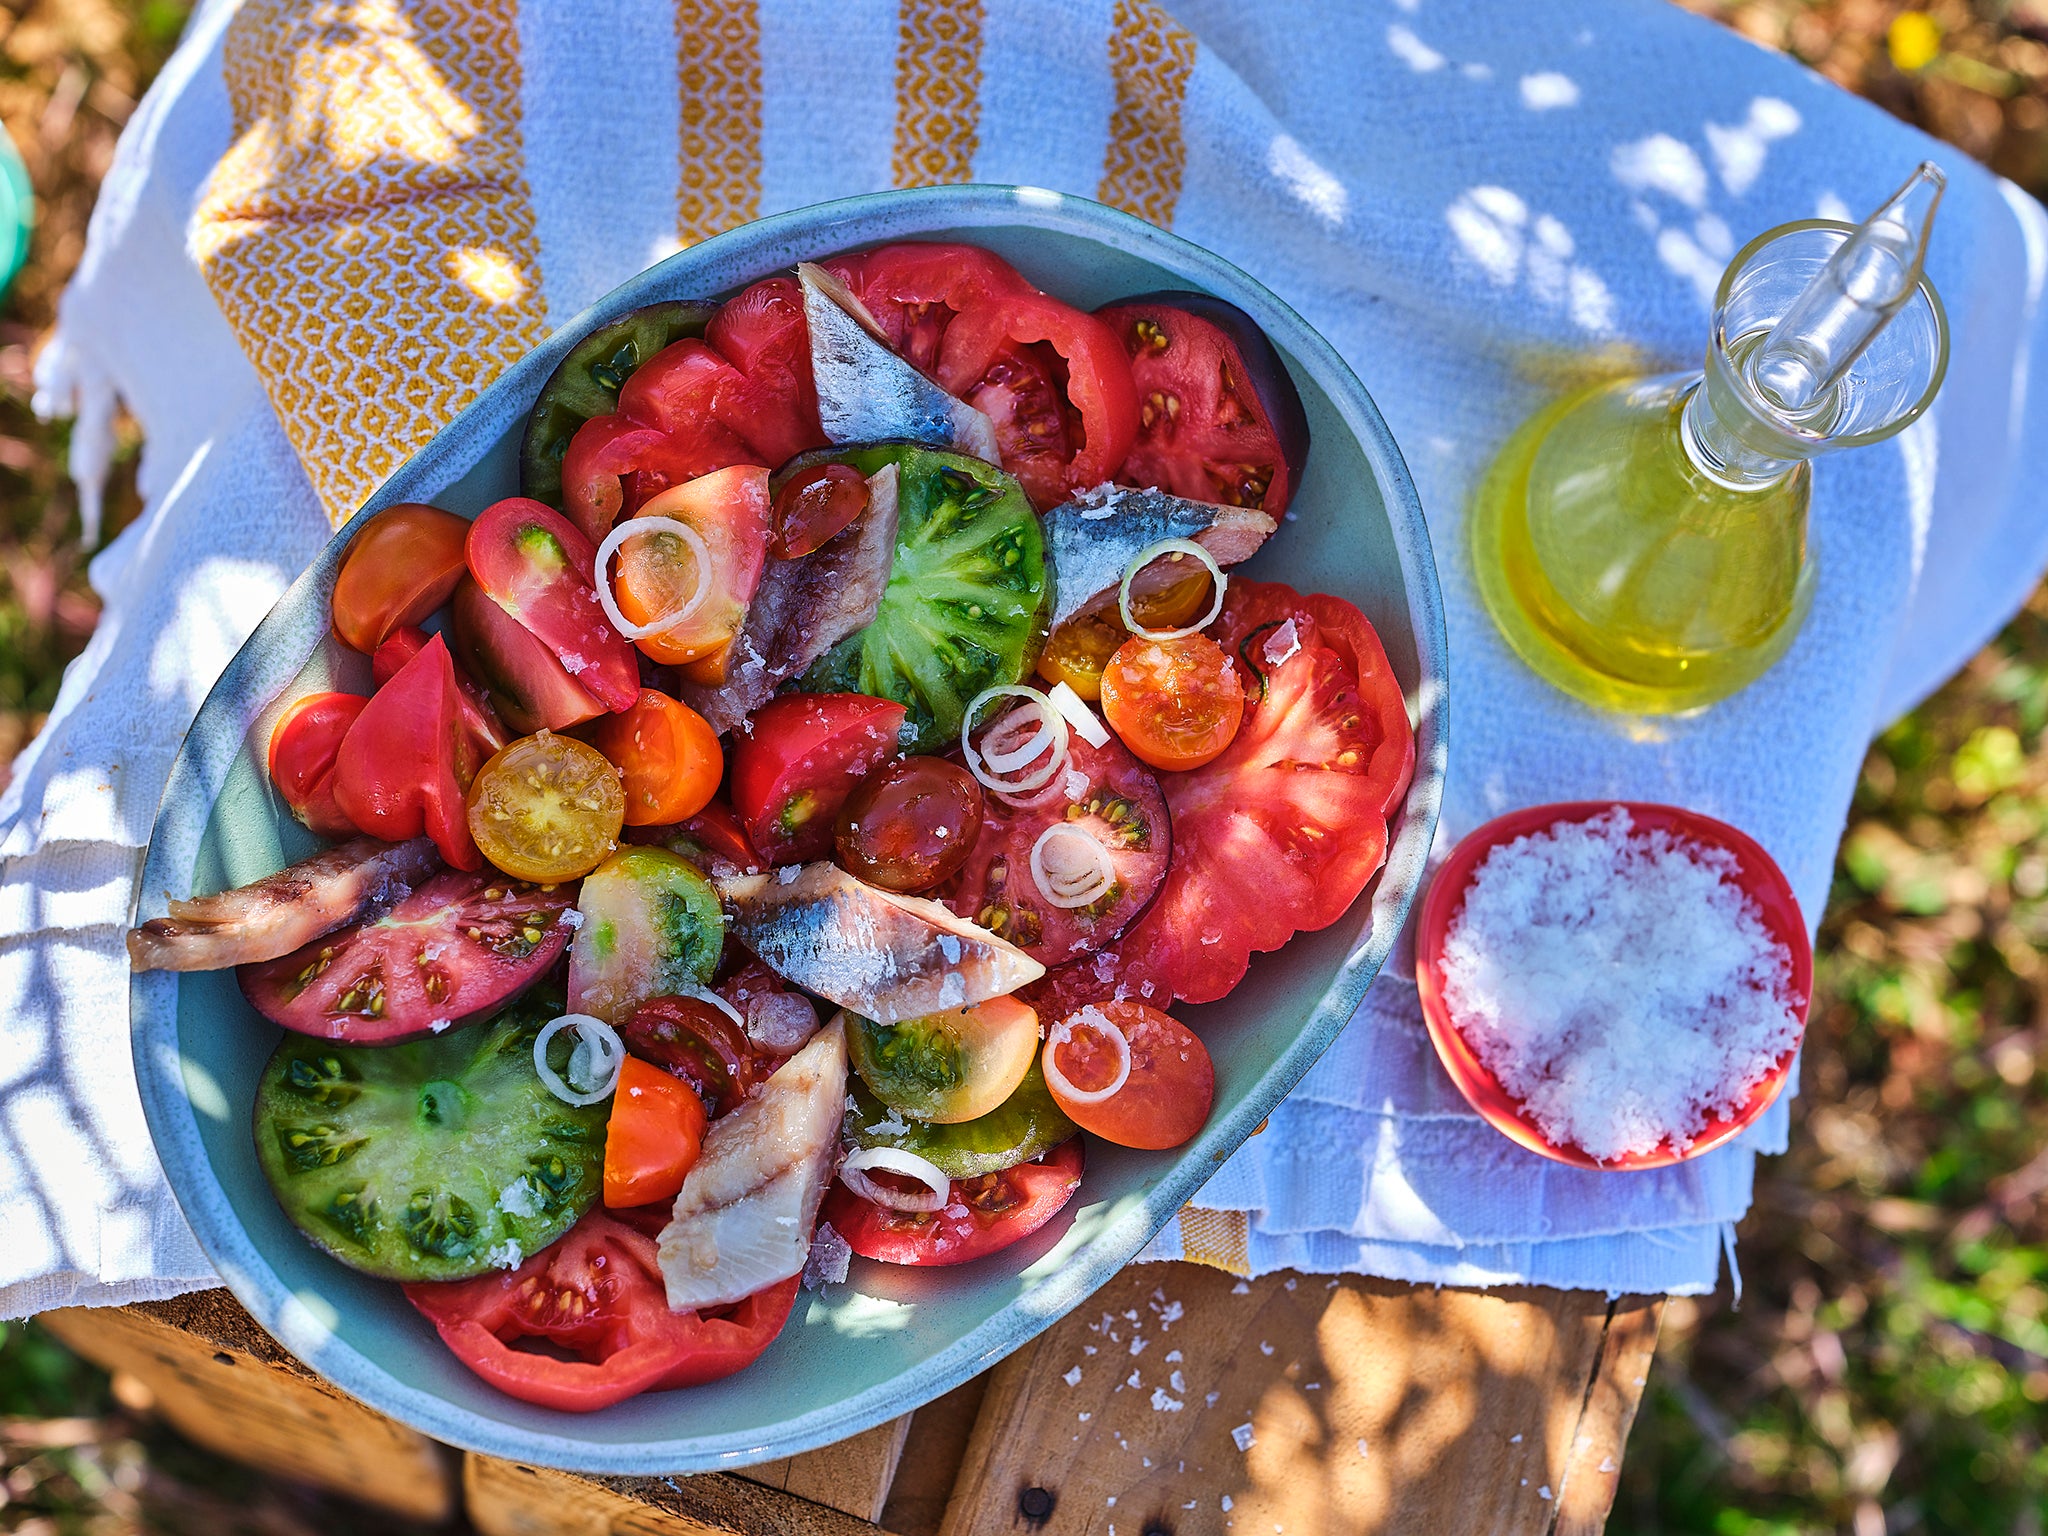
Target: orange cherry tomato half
(1171, 1086)
(655, 1134)
(657, 572)
(667, 755)
(303, 751)
(401, 567)
(1079, 649)
(1175, 703)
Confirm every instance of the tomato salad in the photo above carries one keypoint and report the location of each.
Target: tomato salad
(784, 832)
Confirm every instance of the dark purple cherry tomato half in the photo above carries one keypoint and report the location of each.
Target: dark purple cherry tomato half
(910, 824)
(813, 505)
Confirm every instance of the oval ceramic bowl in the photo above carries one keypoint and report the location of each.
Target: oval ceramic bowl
(889, 1339)
(1756, 872)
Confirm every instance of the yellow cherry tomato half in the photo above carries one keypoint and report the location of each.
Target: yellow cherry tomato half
(1079, 649)
(547, 808)
(667, 755)
(1176, 703)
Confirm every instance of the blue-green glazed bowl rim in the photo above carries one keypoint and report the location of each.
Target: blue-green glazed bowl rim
(289, 635)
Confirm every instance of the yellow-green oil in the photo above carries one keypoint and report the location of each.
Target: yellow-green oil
(1621, 572)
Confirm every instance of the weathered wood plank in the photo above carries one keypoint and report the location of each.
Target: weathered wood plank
(852, 1477)
(506, 1499)
(223, 1383)
(932, 1454)
(1593, 1473)
(1310, 1404)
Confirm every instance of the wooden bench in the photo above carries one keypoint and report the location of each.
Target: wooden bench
(1177, 1400)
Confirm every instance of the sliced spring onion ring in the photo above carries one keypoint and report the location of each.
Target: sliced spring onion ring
(1144, 558)
(594, 1065)
(1079, 715)
(1062, 1032)
(937, 1187)
(1053, 733)
(706, 995)
(699, 550)
(1070, 868)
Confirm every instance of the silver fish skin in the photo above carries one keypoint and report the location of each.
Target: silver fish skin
(744, 1215)
(803, 608)
(275, 915)
(866, 393)
(882, 955)
(1092, 539)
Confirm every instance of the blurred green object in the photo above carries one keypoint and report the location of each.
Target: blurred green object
(17, 211)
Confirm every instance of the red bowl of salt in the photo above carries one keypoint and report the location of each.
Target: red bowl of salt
(1757, 875)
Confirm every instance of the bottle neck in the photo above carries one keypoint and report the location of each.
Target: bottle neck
(1720, 455)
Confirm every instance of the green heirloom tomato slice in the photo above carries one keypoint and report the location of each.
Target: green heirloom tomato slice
(967, 596)
(651, 927)
(586, 384)
(946, 1067)
(1017, 1130)
(436, 1160)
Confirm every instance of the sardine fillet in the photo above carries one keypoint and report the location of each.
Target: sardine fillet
(1092, 540)
(884, 956)
(743, 1219)
(279, 913)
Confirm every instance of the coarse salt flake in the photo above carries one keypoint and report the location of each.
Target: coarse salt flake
(1619, 983)
(1073, 1377)
(830, 1256)
(1244, 1437)
(1161, 1403)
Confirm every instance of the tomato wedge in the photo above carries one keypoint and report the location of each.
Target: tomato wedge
(656, 571)
(801, 758)
(1282, 832)
(1166, 1097)
(653, 1137)
(1121, 808)
(399, 568)
(405, 765)
(615, 463)
(993, 1211)
(667, 755)
(1005, 353)
(538, 568)
(697, 1043)
(459, 946)
(1219, 418)
(914, 290)
(596, 1296)
(714, 840)
(486, 735)
(525, 685)
(761, 332)
(303, 749)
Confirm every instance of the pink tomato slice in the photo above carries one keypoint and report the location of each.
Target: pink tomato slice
(656, 571)
(538, 567)
(614, 463)
(528, 688)
(405, 765)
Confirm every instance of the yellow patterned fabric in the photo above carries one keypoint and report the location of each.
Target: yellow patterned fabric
(1220, 1239)
(1151, 56)
(938, 92)
(368, 234)
(718, 65)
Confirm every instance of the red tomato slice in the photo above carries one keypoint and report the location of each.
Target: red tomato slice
(1121, 808)
(915, 290)
(656, 573)
(457, 947)
(614, 463)
(800, 758)
(303, 750)
(1219, 419)
(1282, 831)
(399, 568)
(596, 1296)
(1171, 1086)
(984, 1215)
(762, 333)
(528, 688)
(983, 361)
(539, 568)
(405, 765)
(486, 735)
(653, 1137)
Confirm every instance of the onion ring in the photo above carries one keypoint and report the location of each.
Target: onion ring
(699, 550)
(1062, 1032)
(853, 1174)
(1144, 558)
(1054, 723)
(594, 1037)
(1061, 890)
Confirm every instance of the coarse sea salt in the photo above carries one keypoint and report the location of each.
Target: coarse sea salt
(1619, 983)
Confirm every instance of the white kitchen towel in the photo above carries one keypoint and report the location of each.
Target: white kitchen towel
(331, 223)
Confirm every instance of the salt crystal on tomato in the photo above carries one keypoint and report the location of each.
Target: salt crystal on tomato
(1621, 984)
